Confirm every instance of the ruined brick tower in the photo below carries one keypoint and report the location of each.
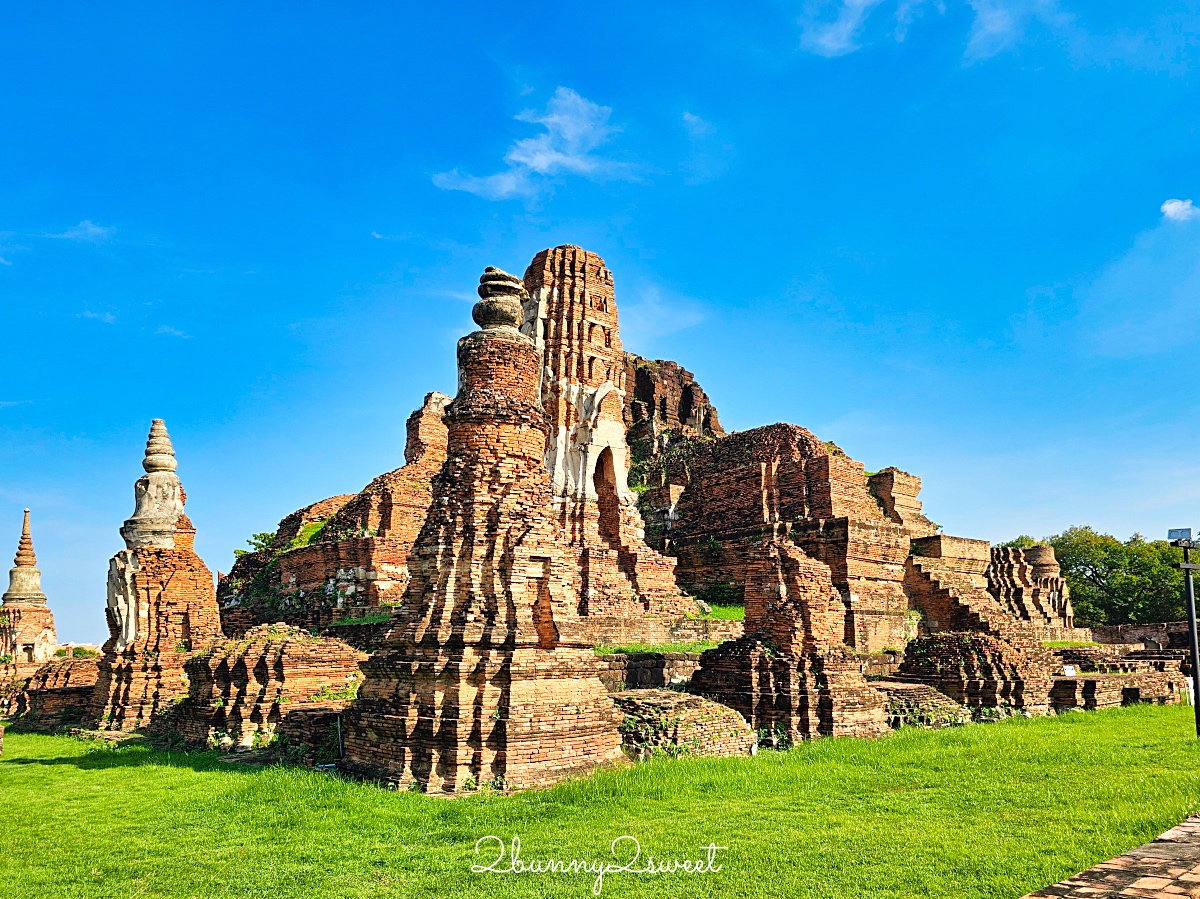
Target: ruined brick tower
(162, 603)
(486, 675)
(27, 633)
(571, 314)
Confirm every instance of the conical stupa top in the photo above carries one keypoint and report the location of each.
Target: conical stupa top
(24, 580)
(160, 455)
(25, 557)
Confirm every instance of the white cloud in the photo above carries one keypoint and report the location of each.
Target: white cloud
(574, 128)
(907, 12)
(1000, 25)
(838, 34)
(171, 332)
(7, 246)
(698, 127)
(86, 231)
(1178, 210)
(1142, 301)
(835, 27)
(107, 317)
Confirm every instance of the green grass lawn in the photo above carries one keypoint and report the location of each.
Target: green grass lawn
(986, 810)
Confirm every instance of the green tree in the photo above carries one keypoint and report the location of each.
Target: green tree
(1119, 583)
(1024, 541)
(257, 543)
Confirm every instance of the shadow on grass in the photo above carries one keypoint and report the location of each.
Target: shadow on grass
(138, 753)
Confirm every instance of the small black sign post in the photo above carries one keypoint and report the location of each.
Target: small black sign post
(1182, 537)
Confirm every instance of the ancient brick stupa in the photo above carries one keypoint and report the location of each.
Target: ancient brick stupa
(161, 599)
(486, 676)
(27, 634)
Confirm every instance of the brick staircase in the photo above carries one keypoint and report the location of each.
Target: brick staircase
(959, 601)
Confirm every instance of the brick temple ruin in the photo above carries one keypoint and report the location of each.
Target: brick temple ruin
(438, 629)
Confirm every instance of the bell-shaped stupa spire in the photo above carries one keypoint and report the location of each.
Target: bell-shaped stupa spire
(160, 455)
(24, 580)
(158, 494)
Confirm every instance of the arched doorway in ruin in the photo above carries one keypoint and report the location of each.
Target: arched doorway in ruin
(607, 498)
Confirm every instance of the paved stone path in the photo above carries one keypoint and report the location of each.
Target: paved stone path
(1165, 869)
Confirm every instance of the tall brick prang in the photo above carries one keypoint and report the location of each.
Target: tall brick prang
(571, 315)
(161, 599)
(486, 676)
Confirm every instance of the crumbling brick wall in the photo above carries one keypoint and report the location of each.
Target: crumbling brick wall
(664, 404)
(678, 724)
(897, 493)
(1106, 691)
(977, 670)
(646, 670)
(59, 694)
(240, 690)
(713, 499)
(791, 676)
(250, 574)
(358, 558)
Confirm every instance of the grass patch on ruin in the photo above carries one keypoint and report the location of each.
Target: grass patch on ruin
(626, 649)
(1067, 644)
(373, 618)
(727, 612)
(988, 810)
(724, 612)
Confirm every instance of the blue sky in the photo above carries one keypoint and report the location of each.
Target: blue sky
(954, 236)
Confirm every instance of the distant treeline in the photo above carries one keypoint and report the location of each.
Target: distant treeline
(1115, 582)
